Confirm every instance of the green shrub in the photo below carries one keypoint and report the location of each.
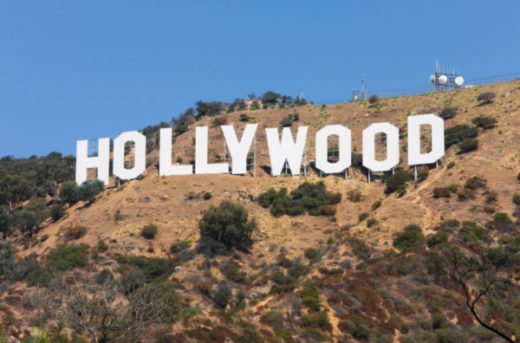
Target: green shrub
(468, 145)
(311, 254)
(222, 295)
(458, 133)
(89, 189)
(228, 225)
(376, 205)
(65, 257)
(441, 192)
(41, 276)
(232, 271)
(397, 181)
(57, 211)
(354, 195)
(410, 239)
(484, 122)
(244, 117)
(438, 238)
(102, 246)
(316, 320)
(448, 112)
(149, 231)
(311, 296)
(103, 276)
(516, 199)
(486, 97)
(450, 165)
(75, 232)
(207, 195)
(475, 182)
(134, 280)
(23, 269)
(373, 99)
(363, 216)
(179, 246)
(69, 192)
(7, 252)
(308, 197)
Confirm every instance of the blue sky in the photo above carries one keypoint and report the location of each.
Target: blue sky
(73, 70)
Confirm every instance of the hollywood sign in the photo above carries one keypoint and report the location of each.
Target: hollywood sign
(281, 150)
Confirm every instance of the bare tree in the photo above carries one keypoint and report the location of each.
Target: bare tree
(484, 276)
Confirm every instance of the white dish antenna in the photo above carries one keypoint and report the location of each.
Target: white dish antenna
(443, 79)
(432, 78)
(459, 81)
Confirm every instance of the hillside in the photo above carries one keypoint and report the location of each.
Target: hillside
(336, 278)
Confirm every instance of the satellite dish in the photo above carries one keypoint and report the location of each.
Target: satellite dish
(459, 81)
(432, 78)
(443, 79)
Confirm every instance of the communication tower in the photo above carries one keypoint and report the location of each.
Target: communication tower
(444, 80)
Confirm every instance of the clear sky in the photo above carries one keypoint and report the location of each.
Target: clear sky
(73, 70)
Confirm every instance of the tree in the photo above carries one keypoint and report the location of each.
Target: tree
(32, 216)
(7, 252)
(270, 98)
(5, 222)
(69, 192)
(228, 224)
(482, 273)
(486, 98)
(89, 189)
(14, 190)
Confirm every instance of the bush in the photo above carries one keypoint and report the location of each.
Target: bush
(354, 195)
(468, 145)
(475, 182)
(244, 117)
(376, 205)
(373, 99)
(409, 240)
(448, 112)
(438, 238)
(222, 295)
(179, 246)
(484, 122)
(232, 271)
(149, 231)
(207, 196)
(65, 257)
(7, 252)
(286, 122)
(103, 276)
(397, 181)
(458, 133)
(57, 211)
(134, 280)
(311, 254)
(441, 192)
(516, 199)
(75, 232)
(308, 197)
(218, 121)
(69, 192)
(158, 302)
(311, 296)
(24, 268)
(486, 97)
(228, 224)
(89, 189)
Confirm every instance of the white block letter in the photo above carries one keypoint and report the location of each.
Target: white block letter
(201, 155)
(369, 147)
(344, 147)
(165, 156)
(286, 150)
(139, 155)
(101, 161)
(414, 139)
(239, 150)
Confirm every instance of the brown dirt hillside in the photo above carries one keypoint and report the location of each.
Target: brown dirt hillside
(175, 205)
